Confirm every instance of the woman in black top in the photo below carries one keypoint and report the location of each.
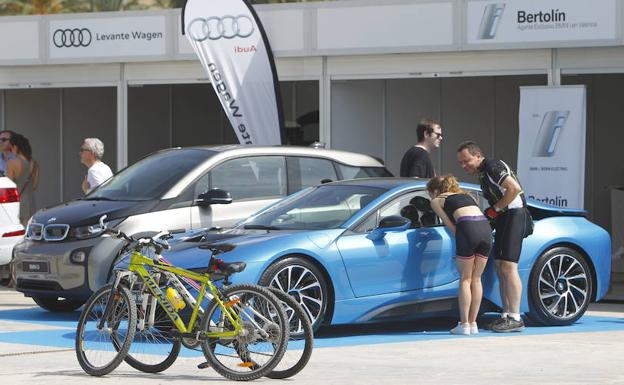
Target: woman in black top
(473, 236)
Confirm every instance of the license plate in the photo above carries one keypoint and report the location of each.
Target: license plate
(36, 267)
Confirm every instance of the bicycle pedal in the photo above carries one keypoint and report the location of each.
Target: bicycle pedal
(247, 364)
(203, 365)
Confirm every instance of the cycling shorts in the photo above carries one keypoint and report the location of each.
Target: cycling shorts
(473, 237)
(510, 231)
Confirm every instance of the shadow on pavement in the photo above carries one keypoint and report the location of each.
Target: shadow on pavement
(38, 315)
(429, 325)
(211, 375)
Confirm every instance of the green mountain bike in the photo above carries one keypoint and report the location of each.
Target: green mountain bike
(243, 331)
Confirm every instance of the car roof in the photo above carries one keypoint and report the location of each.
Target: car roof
(218, 154)
(389, 183)
(344, 157)
(384, 183)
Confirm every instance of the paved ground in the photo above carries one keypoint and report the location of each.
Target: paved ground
(37, 347)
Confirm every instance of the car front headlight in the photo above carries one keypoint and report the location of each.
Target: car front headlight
(92, 231)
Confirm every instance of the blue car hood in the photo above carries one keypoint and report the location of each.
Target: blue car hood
(250, 245)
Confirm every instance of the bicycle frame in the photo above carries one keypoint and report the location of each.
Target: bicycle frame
(138, 263)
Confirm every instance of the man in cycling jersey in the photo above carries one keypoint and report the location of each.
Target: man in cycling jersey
(508, 212)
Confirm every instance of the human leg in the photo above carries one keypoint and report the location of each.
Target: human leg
(509, 249)
(513, 285)
(513, 322)
(476, 289)
(502, 287)
(465, 266)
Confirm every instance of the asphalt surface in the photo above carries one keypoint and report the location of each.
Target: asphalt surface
(37, 347)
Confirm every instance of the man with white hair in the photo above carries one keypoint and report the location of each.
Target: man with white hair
(91, 153)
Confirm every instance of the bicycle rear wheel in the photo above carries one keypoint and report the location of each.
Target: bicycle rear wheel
(261, 345)
(100, 351)
(300, 342)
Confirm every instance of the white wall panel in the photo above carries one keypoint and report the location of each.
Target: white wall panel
(387, 26)
(44, 76)
(444, 64)
(20, 40)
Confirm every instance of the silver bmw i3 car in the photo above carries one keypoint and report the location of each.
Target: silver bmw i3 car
(63, 260)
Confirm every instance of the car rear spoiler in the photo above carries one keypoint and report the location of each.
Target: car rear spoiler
(540, 210)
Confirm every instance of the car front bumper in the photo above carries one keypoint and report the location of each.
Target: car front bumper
(45, 269)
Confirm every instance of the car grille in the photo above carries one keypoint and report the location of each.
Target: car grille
(34, 231)
(51, 233)
(28, 284)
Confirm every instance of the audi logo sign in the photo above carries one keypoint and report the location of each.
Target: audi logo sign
(226, 27)
(72, 37)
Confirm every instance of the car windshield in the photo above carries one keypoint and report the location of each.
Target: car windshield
(151, 177)
(321, 207)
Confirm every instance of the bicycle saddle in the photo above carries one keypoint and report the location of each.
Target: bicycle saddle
(218, 268)
(218, 248)
(233, 267)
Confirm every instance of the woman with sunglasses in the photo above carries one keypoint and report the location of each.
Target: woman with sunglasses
(461, 214)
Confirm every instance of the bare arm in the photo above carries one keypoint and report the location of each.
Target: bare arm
(85, 185)
(512, 189)
(436, 205)
(11, 170)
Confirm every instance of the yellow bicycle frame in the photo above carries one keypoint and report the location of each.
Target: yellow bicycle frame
(137, 265)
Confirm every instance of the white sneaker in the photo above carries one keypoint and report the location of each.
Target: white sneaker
(461, 329)
(474, 329)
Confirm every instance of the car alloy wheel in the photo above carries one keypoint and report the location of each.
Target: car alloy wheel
(561, 287)
(304, 282)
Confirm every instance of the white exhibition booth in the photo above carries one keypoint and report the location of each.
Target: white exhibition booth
(369, 69)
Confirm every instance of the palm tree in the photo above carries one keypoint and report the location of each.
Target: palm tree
(116, 5)
(34, 7)
(168, 3)
(71, 6)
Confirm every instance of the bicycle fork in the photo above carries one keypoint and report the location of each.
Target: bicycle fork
(111, 297)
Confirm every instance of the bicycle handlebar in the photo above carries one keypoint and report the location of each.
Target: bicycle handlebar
(156, 242)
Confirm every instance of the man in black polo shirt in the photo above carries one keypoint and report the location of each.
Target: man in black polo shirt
(508, 212)
(416, 162)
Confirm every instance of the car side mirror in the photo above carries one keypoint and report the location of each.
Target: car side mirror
(392, 223)
(215, 196)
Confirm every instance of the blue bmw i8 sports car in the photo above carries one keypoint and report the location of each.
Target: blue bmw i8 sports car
(371, 250)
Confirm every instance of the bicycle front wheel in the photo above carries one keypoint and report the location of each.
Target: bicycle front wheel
(260, 345)
(101, 350)
(154, 348)
(300, 342)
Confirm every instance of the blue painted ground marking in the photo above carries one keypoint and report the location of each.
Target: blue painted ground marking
(336, 336)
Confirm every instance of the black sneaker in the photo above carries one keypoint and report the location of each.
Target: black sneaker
(508, 325)
(498, 320)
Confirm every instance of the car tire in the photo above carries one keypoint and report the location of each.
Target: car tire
(308, 286)
(58, 305)
(560, 287)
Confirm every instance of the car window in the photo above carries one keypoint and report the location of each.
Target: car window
(323, 207)
(415, 206)
(152, 176)
(478, 195)
(307, 172)
(354, 172)
(202, 185)
(251, 177)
